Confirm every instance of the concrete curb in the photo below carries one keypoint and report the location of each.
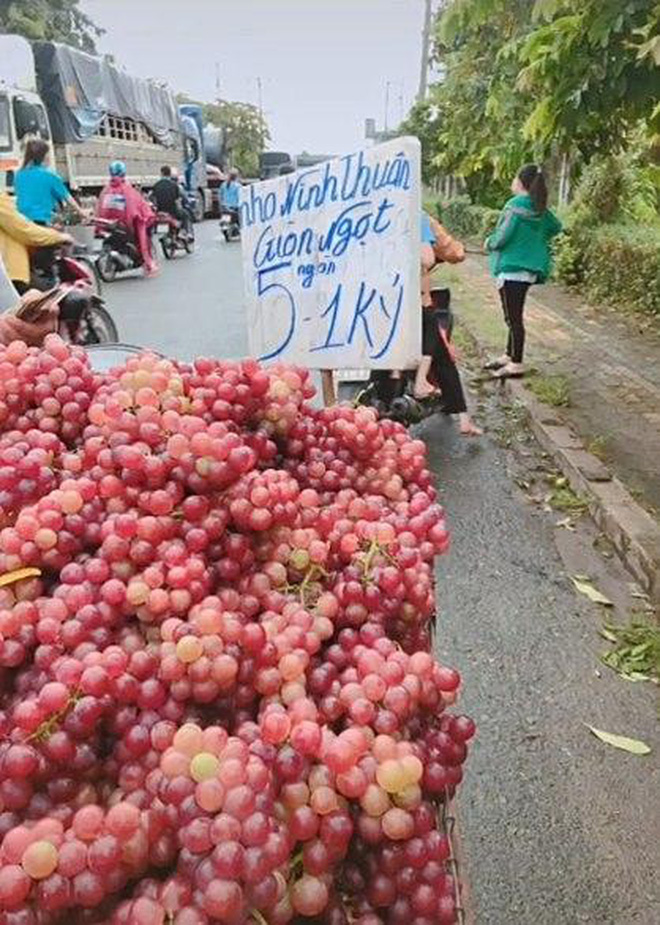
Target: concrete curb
(633, 532)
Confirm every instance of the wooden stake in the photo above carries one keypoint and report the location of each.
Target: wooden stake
(328, 385)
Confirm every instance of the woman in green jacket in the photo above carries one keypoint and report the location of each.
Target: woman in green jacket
(519, 251)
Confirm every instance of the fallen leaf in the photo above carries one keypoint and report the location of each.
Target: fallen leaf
(639, 595)
(585, 587)
(567, 523)
(634, 746)
(19, 574)
(608, 634)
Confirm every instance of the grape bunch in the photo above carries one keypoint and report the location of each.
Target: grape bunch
(218, 699)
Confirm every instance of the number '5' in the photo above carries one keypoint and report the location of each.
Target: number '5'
(262, 290)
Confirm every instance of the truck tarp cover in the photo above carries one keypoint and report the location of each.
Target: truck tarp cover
(79, 89)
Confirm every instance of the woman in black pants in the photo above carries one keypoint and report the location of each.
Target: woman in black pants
(520, 256)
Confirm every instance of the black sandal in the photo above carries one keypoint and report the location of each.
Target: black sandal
(501, 374)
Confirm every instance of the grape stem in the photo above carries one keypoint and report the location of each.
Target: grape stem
(258, 917)
(295, 862)
(48, 727)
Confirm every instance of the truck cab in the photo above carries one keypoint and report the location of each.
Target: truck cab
(272, 162)
(194, 158)
(22, 113)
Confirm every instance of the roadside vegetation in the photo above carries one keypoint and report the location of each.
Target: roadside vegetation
(572, 84)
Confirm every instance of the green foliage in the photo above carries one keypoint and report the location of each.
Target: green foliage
(590, 69)
(528, 79)
(555, 391)
(636, 652)
(52, 20)
(470, 124)
(464, 219)
(245, 131)
(615, 188)
(616, 263)
(423, 122)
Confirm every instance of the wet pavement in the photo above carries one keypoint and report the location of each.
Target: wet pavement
(557, 827)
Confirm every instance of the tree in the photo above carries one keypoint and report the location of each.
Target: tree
(52, 20)
(592, 70)
(470, 123)
(538, 79)
(245, 131)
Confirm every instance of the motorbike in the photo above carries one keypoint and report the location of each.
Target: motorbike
(393, 398)
(119, 251)
(83, 318)
(230, 225)
(173, 235)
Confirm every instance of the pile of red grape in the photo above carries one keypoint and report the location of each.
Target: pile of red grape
(218, 702)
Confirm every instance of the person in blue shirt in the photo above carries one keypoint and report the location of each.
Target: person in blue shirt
(230, 192)
(39, 190)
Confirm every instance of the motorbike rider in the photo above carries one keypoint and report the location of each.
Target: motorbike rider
(121, 202)
(230, 194)
(39, 190)
(168, 198)
(17, 237)
(44, 313)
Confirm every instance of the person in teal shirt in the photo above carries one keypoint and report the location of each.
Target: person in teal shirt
(39, 190)
(520, 256)
(230, 192)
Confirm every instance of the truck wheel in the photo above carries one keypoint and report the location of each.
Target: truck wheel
(199, 210)
(106, 266)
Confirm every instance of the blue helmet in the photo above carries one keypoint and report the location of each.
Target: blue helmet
(117, 169)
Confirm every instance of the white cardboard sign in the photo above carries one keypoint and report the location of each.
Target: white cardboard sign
(331, 261)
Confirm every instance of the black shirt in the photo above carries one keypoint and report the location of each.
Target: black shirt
(166, 194)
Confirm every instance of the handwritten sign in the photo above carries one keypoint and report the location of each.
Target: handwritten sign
(331, 261)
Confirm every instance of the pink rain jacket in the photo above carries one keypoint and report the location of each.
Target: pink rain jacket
(121, 202)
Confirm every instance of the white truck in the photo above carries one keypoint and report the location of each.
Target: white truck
(89, 111)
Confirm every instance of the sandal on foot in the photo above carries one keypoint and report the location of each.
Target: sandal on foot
(494, 364)
(506, 373)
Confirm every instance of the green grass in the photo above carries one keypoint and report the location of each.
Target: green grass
(551, 390)
(563, 498)
(599, 447)
(465, 343)
(636, 651)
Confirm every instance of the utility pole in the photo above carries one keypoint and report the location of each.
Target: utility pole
(426, 50)
(260, 103)
(387, 106)
(217, 81)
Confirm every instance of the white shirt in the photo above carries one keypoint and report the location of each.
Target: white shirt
(522, 277)
(8, 295)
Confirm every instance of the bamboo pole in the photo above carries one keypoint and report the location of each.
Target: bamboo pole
(328, 386)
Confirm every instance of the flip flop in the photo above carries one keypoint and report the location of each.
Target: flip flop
(502, 374)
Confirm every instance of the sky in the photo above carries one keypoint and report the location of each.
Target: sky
(324, 65)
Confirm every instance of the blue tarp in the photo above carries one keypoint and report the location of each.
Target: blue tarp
(79, 89)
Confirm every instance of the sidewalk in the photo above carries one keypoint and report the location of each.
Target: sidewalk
(608, 363)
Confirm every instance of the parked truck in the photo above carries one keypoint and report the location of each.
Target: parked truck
(195, 173)
(89, 111)
(273, 163)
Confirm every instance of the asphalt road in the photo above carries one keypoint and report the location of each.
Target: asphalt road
(192, 308)
(557, 828)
